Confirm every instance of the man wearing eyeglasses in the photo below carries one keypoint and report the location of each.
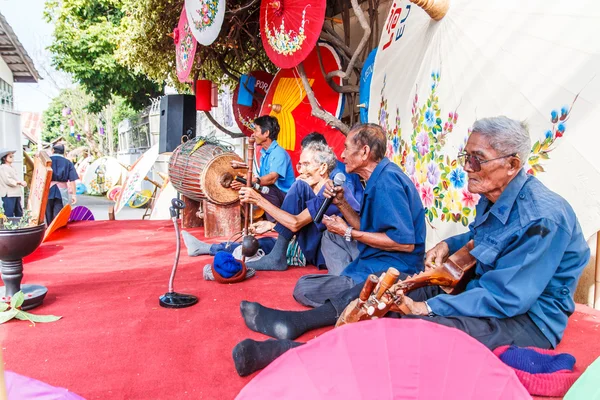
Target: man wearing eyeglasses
(529, 248)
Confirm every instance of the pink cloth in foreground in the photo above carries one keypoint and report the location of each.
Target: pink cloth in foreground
(19, 387)
(388, 358)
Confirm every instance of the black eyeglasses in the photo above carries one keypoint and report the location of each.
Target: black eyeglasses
(475, 162)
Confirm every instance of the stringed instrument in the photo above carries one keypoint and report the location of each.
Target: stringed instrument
(379, 296)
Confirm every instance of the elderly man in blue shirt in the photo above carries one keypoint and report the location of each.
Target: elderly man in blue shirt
(529, 248)
(276, 171)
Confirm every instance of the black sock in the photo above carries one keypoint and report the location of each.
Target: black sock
(250, 356)
(276, 260)
(286, 324)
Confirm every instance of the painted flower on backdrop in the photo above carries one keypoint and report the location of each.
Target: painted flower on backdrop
(433, 174)
(421, 172)
(427, 195)
(469, 199)
(458, 177)
(430, 118)
(452, 201)
(423, 143)
(409, 166)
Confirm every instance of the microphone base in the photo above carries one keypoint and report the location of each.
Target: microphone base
(177, 300)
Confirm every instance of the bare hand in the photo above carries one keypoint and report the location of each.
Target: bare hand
(337, 192)
(437, 255)
(239, 165)
(73, 199)
(415, 307)
(249, 195)
(23, 183)
(335, 224)
(260, 227)
(235, 185)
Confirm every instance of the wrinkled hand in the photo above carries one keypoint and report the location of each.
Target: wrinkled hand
(235, 185)
(249, 195)
(415, 307)
(239, 165)
(335, 224)
(260, 227)
(337, 192)
(437, 255)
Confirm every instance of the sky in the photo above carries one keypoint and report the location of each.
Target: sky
(27, 21)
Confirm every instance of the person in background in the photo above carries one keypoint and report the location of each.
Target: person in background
(276, 171)
(64, 176)
(10, 185)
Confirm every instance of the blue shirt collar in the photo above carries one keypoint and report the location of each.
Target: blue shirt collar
(273, 145)
(376, 172)
(503, 206)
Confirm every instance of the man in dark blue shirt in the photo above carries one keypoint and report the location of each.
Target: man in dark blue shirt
(529, 249)
(64, 176)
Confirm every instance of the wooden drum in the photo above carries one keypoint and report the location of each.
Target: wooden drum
(204, 172)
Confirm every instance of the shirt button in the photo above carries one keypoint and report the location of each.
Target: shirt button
(565, 291)
(522, 196)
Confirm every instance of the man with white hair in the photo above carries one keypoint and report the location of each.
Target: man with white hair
(529, 248)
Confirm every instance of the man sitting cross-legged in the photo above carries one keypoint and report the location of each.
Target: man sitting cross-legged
(529, 248)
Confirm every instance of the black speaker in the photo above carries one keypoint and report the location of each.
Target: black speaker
(177, 121)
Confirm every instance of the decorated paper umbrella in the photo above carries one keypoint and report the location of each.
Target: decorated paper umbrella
(388, 359)
(101, 175)
(81, 213)
(286, 100)
(162, 203)
(365, 86)
(82, 166)
(245, 115)
(185, 47)
(530, 61)
(290, 29)
(205, 18)
(60, 221)
(136, 176)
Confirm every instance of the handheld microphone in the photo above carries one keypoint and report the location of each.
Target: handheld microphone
(256, 186)
(338, 180)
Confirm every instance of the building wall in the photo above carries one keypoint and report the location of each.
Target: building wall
(11, 138)
(5, 72)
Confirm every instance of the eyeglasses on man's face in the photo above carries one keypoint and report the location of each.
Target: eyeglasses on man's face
(475, 162)
(306, 165)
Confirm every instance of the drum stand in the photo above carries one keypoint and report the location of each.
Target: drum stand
(172, 299)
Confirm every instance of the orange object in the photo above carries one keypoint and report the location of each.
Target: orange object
(60, 221)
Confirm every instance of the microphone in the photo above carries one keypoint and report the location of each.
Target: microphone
(256, 186)
(338, 180)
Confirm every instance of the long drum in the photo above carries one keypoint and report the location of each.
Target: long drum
(203, 172)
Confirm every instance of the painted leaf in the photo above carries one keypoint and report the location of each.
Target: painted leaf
(536, 147)
(466, 211)
(464, 221)
(538, 168)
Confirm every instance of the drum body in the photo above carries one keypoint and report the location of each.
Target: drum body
(202, 171)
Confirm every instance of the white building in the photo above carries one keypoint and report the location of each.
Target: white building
(15, 67)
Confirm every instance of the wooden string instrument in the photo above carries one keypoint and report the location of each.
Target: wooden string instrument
(249, 242)
(452, 276)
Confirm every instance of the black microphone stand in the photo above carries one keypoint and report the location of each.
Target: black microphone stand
(172, 299)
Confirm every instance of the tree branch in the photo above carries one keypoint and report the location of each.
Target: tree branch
(316, 110)
(330, 82)
(221, 127)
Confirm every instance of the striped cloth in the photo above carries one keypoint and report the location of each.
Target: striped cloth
(294, 254)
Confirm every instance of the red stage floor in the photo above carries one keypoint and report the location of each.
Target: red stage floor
(115, 342)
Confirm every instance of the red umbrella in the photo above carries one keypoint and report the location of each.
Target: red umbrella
(185, 47)
(388, 359)
(286, 100)
(290, 29)
(244, 115)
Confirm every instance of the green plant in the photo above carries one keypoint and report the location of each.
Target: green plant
(12, 310)
(9, 225)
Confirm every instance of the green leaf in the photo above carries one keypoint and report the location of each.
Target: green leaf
(464, 221)
(466, 211)
(445, 210)
(428, 102)
(430, 215)
(25, 316)
(17, 300)
(435, 214)
(8, 315)
(536, 147)
(3, 306)
(544, 155)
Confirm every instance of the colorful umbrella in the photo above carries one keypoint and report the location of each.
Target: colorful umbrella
(290, 29)
(160, 209)
(135, 177)
(81, 213)
(185, 47)
(387, 359)
(60, 221)
(286, 100)
(82, 166)
(206, 18)
(101, 175)
(365, 86)
(245, 115)
(531, 61)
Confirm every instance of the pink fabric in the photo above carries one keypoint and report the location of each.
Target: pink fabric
(556, 384)
(19, 387)
(384, 359)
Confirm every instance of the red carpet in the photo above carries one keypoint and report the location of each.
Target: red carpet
(115, 342)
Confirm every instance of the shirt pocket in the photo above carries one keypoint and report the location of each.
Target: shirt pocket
(486, 253)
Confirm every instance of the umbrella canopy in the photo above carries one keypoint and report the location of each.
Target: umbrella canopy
(81, 213)
(286, 100)
(290, 29)
(101, 175)
(82, 166)
(245, 115)
(387, 359)
(205, 19)
(185, 47)
(160, 209)
(135, 177)
(531, 61)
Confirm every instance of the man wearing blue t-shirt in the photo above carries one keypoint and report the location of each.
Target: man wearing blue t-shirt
(276, 171)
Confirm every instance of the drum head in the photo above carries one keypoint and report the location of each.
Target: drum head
(211, 179)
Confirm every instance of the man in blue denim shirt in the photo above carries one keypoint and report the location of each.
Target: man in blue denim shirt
(529, 248)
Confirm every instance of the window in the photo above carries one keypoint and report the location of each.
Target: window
(6, 95)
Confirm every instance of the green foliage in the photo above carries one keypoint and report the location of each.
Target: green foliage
(9, 225)
(86, 35)
(8, 312)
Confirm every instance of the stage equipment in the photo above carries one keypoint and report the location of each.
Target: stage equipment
(177, 121)
(172, 299)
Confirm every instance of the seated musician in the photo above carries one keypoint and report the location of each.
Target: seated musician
(390, 229)
(276, 171)
(529, 252)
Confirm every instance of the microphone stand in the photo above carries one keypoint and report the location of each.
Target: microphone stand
(172, 299)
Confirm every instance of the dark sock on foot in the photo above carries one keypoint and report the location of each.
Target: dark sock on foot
(276, 260)
(286, 324)
(250, 356)
(194, 246)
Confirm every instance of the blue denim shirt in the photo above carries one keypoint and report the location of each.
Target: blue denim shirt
(276, 159)
(530, 253)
